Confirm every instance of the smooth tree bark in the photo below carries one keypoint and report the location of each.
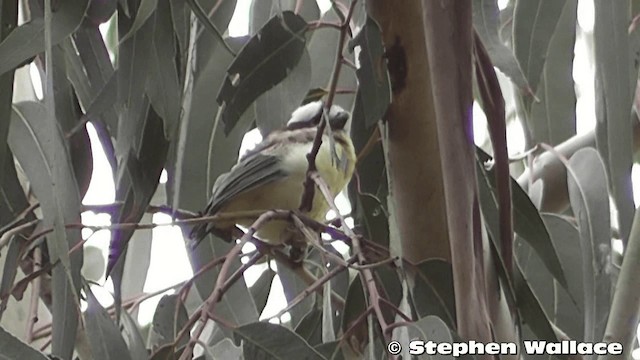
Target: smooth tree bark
(416, 186)
(449, 35)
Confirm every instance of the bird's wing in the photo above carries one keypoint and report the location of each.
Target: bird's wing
(248, 174)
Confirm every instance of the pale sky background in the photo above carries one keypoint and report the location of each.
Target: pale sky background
(168, 245)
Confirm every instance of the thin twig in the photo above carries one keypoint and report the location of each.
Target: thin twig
(9, 234)
(20, 217)
(314, 287)
(207, 310)
(306, 202)
(366, 274)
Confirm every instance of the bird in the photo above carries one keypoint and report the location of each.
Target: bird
(272, 175)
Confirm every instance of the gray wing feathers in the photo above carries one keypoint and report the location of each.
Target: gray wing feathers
(248, 174)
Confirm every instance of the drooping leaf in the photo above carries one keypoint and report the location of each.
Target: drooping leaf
(145, 10)
(162, 82)
(133, 337)
(368, 194)
(293, 286)
(8, 22)
(553, 119)
(529, 308)
(170, 317)
(615, 79)
(566, 238)
(588, 193)
(310, 327)
(141, 145)
(137, 181)
(261, 64)
(432, 293)
(265, 340)
(486, 22)
(103, 334)
(27, 40)
(374, 89)
(12, 348)
(533, 25)
(208, 24)
(261, 289)
(92, 75)
(526, 218)
(38, 143)
(68, 113)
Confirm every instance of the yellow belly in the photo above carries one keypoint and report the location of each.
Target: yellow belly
(286, 193)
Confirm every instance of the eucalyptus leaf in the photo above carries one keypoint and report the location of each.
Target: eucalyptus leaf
(39, 145)
(170, 317)
(27, 40)
(615, 83)
(589, 196)
(486, 22)
(262, 63)
(12, 348)
(103, 334)
(534, 22)
(374, 89)
(265, 340)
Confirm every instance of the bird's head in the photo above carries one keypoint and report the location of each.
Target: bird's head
(310, 114)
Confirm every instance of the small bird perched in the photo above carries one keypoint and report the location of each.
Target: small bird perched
(271, 176)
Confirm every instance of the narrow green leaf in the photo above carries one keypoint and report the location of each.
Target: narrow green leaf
(145, 10)
(486, 22)
(41, 150)
(27, 40)
(162, 85)
(169, 318)
(589, 197)
(103, 334)
(12, 348)
(293, 286)
(553, 119)
(8, 22)
(263, 63)
(432, 293)
(261, 289)
(368, 196)
(529, 308)
(615, 86)
(373, 78)
(534, 22)
(526, 218)
(568, 307)
(310, 327)
(133, 337)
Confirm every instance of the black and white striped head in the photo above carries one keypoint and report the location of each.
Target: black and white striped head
(309, 115)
